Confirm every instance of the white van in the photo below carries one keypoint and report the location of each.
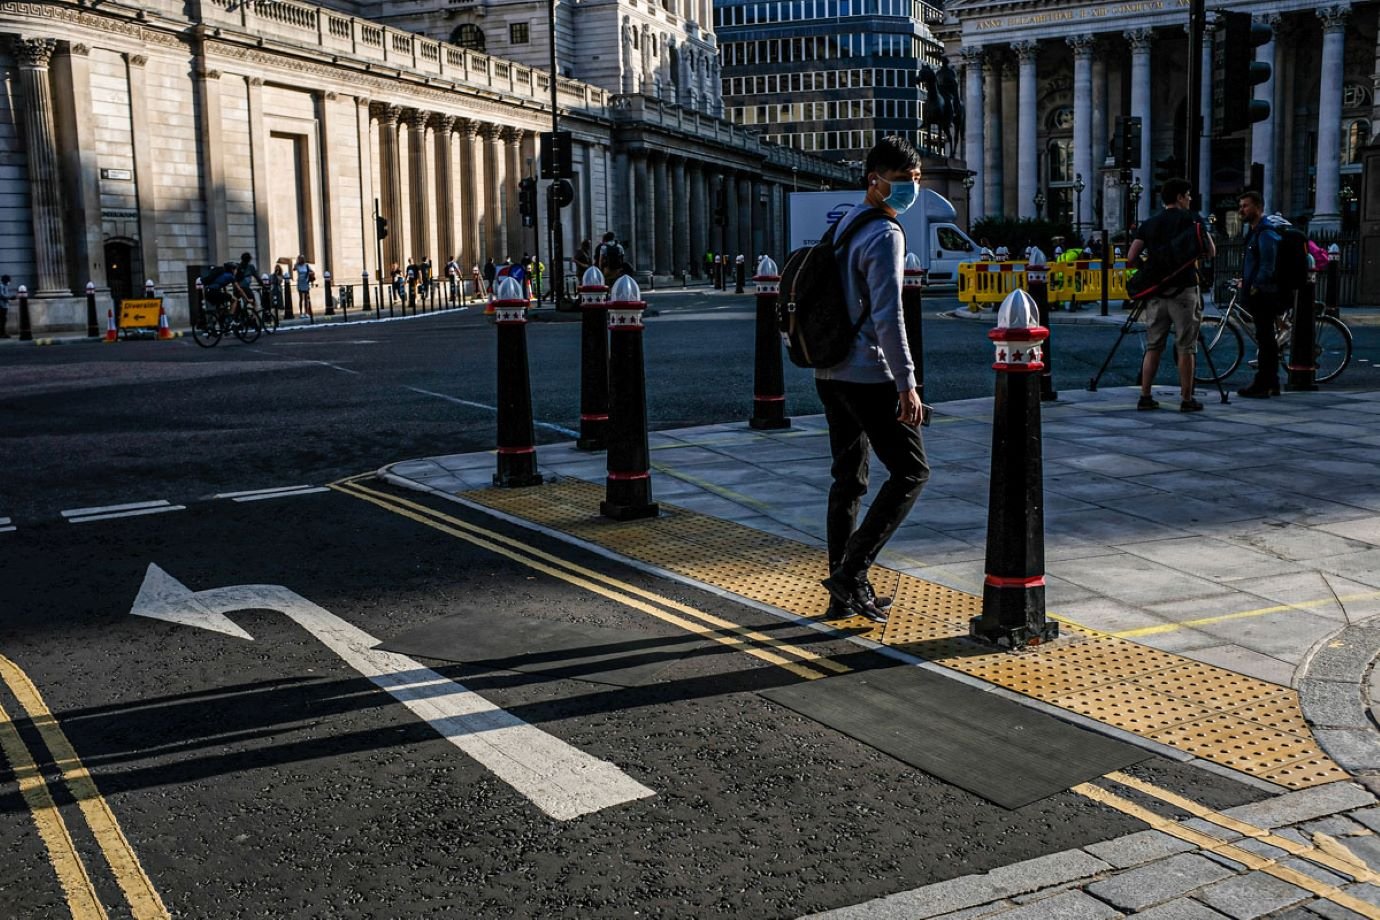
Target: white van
(929, 224)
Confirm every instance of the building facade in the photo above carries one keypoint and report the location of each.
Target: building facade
(827, 77)
(144, 142)
(1045, 81)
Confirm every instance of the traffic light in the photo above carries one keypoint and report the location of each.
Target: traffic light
(1126, 143)
(720, 207)
(527, 201)
(1236, 72)
(557, 150)
(381, 226)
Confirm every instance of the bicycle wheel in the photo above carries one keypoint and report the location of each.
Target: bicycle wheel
(270, 320)
(248, 328)
(207, 331)
(1221, 343)
(1331, 347)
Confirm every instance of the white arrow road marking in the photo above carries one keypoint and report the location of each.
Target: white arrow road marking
(561, 780)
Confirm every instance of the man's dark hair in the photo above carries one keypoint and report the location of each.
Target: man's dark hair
(892, 153)
(608, 237)
(1253, 197)
(1173, 188)
(246, 257)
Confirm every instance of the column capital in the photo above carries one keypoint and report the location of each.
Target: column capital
(447, 123)
(491, 131)
(513, 135)
(1140, 40)
(206, 73)
(972, 55)
(469, 127)
(387, 115)
(1026, 50)
(34, 53)
(417, 119)
(79, 49)
(1334, 17)
(1082, 45)
(137, 60)
(256, 81)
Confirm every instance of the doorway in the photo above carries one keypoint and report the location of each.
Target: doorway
(122, 262)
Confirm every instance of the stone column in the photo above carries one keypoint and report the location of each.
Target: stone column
(512, 137)
(50, 249)
(728, 239)
(76, 126)
(746, 216)
(329, 256)
(974, 119)
(1327, 212)
(418, 184)
(1263, 132)
(1099, 110)
(680, 216)
(622, 194)
(366, 190)
(699, 218)
(1082, 46)
(210, 126)
(144, 182)
(991, 133)
(390, 183)
(472, 244)
(1028, 162)
(1010, 106)
(665, 217)
(445, 194)
(1141, 40)
(258, 159)
(1204, 177)
(496, 235)
(642, 212)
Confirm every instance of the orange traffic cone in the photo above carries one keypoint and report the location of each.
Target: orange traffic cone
(110, 334)
(163, 331)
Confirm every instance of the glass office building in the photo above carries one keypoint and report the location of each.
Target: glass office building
(826, 77)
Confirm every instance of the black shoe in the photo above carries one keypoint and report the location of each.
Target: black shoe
(1147, 402)
(849, 593)
(881, 603)
(1190, 405)
(1258, 391)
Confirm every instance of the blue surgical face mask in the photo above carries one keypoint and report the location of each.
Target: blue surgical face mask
(903, 194)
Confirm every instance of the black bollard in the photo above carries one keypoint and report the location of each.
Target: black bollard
(768, 381)
(740, 275)
(517, 457)
(1303, 358)
(412, 297)
(912, 309)
(326, 286)
(265, 297)
(26, 332)
(366, 296)
(93, 329)
(1013, 594)
(1333, 299)
(1106, 259)
(347, 300)
(198, 303)
(594, 361)
(628, 490)
(1037, 283)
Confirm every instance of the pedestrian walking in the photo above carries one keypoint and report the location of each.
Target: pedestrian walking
(584, 258)
(1176, 301)
(4, 305)
(1260, 291)
(453, 273)
(399, 286)
(490, 273)
(306, 275)
(870, 400)
(277, 286)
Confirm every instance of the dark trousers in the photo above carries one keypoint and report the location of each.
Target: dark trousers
(1265, 311)
(862, 415)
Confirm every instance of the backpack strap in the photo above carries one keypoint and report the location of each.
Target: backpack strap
(865, 217)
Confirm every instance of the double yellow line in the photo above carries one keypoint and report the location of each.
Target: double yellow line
(800, 662)
(78, 889)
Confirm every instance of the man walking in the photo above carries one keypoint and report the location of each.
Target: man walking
(1260, 292)
(1176, 301)
(870, 398)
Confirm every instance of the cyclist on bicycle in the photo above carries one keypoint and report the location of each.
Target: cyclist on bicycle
(246, 272)
(1260, 290)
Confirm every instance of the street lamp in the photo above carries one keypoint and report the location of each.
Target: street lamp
(1039, 205)
(795, 178)
(968, 183)
(1078, 187)
(1136, 191)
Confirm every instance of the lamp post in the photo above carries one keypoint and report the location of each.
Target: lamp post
(1136, 191)
(1078, 186)
(1039, 205)
(968, 183)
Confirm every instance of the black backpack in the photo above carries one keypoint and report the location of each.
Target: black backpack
(1168, 269)
(614, 257)
(812, 310)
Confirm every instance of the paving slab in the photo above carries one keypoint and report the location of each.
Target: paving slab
(1252, 895)
(1136, 849)
(1303, 805)
(1158, 882)
(1180, 909)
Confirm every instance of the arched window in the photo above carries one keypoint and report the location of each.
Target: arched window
(469, 36)
(1357, 136)
(1060, 160)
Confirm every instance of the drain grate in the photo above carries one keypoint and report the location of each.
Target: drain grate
(1218, 715)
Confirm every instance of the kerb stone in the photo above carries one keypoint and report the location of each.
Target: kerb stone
(1159, 881)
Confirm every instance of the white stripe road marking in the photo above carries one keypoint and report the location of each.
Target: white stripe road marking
(8, 529)
(307, 490)
(560, 779)
(561, 429)
(273, 490)
(124, 514)
(83, 512)
(4, 521)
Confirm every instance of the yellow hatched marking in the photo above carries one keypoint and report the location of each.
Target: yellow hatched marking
(1332, 855)
(726, 634)
(1245, 857)
(143, 898)
(77, 889)
(1237, 721)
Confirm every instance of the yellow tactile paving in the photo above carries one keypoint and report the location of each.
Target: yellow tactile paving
(1221, 716)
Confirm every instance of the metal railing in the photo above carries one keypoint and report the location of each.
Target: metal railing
(1232, 253)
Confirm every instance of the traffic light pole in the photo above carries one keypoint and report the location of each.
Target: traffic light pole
(378, 249)
(557, 243)
(1197, 25)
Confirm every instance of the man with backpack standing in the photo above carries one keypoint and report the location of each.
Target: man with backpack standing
(1260, 291)
(869, 396)
(1174, 300)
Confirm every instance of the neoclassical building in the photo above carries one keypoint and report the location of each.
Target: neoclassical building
(144, 141)
(1044, 81)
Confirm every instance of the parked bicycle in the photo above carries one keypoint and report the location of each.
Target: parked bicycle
(1222, 336)
(223, 314)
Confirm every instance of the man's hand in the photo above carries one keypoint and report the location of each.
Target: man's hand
(909, 411)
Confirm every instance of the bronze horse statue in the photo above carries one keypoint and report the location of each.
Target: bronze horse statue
(943, 107)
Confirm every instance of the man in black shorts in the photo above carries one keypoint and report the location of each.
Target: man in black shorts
(1176, 301)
